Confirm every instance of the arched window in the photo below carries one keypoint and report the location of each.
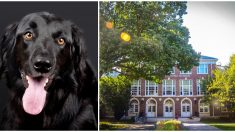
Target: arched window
(134, 107)
(151, 106)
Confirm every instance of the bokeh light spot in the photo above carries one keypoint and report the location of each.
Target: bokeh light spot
(109, 25)
(125, 37)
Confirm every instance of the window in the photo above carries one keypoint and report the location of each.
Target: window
(168, 106)
(186, 87)
(204, 107)
(168, 87)
(151, 106)
(199, 87)
(186, 106)
(202, 69)
(150, 88)
(135, 87)
(186, 72)
(134, 107)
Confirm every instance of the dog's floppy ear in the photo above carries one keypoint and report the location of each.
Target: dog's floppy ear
(78, 50)
(7, 42)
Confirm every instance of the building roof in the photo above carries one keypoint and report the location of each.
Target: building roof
(208, 57)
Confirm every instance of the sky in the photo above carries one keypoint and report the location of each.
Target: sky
(212, 28)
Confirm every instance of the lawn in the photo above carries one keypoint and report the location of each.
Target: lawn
(221, 124)
(112, 126)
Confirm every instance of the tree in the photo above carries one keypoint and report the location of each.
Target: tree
(159, 41)
(222, 87)
(115, 95)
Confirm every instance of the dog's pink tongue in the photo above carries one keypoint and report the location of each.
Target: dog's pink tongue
(34, 96)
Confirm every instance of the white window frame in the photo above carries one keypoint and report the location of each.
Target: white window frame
(173, 87)
(203, 106)
(199, 91)
(190, 87)
(135, 88)
(148, 85)
(134, 107)
(202, 68)
(187, 72)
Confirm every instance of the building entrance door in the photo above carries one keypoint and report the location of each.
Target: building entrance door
(168, 109)
(151, 108)
(185, 109)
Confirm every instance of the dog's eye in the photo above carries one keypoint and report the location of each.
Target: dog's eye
(60, 41)
(28, 36)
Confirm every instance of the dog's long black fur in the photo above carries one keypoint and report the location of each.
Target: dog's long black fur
(71, 100)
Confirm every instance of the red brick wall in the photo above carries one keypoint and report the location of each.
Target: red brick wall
(177, 76)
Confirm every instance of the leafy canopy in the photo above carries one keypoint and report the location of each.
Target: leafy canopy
(115, 94)
(221, 88)
(158, 41)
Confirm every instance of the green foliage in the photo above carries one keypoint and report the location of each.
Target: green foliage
(221, 89)
(110, 126)
(159, 41)
(115, 95)
(224, 126)
(169, 125)
(221, 123)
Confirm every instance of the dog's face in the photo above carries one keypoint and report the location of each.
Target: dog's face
(44, 47)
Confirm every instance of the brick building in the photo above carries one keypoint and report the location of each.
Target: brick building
(179, 94)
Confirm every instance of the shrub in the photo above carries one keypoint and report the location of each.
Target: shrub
(169, 125)
(111, 126)
(105, 126)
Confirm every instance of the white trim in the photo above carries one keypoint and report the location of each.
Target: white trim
(146, 106)
(190, 105)
(138, 104)
(199, 102)
(138, 86)
(189, 90)
(204, 66)
(208, 61)
(181, 96)
(155, 91)
(200, 81)
(173, 87)
(136, 96)
(173, 106)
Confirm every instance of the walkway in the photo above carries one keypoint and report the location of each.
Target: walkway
(198, 126)
(140, 127)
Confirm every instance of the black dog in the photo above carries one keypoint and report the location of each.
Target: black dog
(50, 81)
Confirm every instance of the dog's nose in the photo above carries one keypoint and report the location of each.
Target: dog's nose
(42, 65)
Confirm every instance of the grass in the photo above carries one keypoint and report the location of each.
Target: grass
(223, 124)
(169, 125)
(114, 121)
(111, 126)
